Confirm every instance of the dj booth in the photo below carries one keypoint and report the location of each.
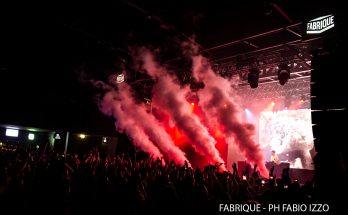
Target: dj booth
(302, 175)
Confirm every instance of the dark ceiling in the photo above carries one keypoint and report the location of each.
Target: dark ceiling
(42, 47)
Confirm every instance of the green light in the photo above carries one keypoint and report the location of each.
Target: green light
(32, 129)
(31, 136)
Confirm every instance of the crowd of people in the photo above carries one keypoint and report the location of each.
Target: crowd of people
(49, 183)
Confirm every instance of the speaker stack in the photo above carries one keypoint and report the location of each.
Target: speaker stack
(329, 119)
(328, 100)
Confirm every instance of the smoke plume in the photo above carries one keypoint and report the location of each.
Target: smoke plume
(170, 97)
(141, 126)
(218, 105)
(112, 107)
(220, 112)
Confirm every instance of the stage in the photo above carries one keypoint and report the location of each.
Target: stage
(302, 175)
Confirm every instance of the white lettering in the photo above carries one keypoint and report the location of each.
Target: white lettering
(319, 207)
(314, 25)
(294, 207)
(324, 23)
(240, 208)
(273, 207)
(320, 24)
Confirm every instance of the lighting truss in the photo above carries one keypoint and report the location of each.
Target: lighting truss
(268, 65)
(294, 90)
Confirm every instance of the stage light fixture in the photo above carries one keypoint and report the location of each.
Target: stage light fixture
(283, 73)
(11, 132)
(253, 78)
(31, 136)
(57, 136)
(119, 78)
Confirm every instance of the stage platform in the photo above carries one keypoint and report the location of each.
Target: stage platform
(302, 175)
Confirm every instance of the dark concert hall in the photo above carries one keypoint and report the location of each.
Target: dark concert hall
(138, 107)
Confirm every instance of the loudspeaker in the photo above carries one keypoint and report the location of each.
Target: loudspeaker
(328, 100)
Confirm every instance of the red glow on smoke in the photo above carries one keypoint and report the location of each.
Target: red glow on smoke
(178, 137)
(218, 133)
(183, 123)
(221, 144)
(192, 107)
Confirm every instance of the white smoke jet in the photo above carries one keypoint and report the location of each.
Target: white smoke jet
(217, 103)
(146, 129)
(170, 97)
(112, 107)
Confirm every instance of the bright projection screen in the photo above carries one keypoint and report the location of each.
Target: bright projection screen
(289, 133)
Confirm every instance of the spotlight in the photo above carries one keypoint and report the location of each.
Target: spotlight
(283, 74)
(11, 132)
(119, 78)
(31, 136)
(57, 136)
(253, 78)
(82, 136)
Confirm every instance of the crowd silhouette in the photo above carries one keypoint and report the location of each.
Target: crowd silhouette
(50, 183)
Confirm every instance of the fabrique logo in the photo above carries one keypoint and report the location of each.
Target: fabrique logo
(320, 24)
